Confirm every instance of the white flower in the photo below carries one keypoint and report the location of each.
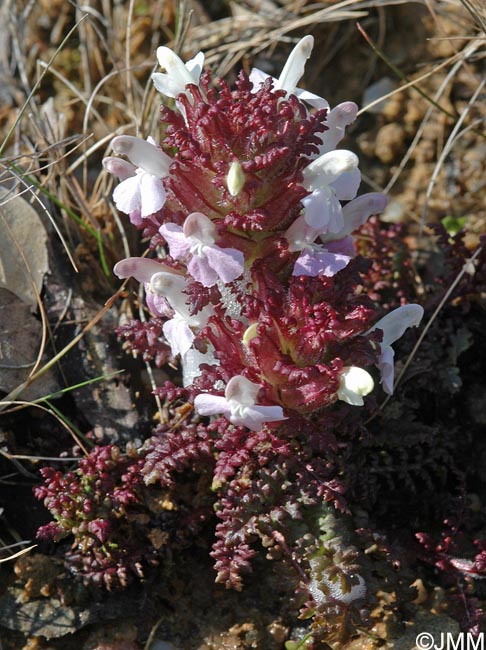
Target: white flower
(331, 178)
(337, 119)
(292, 73)
(119, 167)
(239, 405)
(393, 326)
(178, 74)
(143, 189)
(355, 383)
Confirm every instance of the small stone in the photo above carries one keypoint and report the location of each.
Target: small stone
(378, 89)
(390, 141)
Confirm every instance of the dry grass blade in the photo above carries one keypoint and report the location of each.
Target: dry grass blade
(446, 150)
(477, 9)
(430, 111)
(18, 554)
(37, 84)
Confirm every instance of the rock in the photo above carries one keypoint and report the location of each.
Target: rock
(390, 141)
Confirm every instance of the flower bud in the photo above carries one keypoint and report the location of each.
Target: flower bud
(355, 383)
(235, 179)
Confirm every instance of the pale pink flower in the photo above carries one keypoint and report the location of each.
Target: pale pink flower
(331, 178)
(195, 241)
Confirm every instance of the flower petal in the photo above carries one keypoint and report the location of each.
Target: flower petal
(179, 246)
(387, 369)
(254, 417)
(327, 168)
(126, 195)
(152, 194)
(178, 334)
(355, 383)
(300, 235)
(347, 185)
(175, 67)
(119, 167)
(242, 390)
(195, 66)
(200, 227)
(294, 67)
(257, 77)
(310, 98)
(172, 285)
(200, 269)
(356, 212)
(143, 154)
(337, 120)
(167, 85)
(313, 263)
(157, 304)
(206, 404)
(229, 263)
(140, 268)
(322, 211)
(397, 321)
(344, 246)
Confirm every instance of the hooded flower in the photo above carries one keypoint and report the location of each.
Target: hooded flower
(167, 287)
(393, 326)
(239, 405)
(331, 178)
(178, 74)
(143, 189)
(291, 74)
(195, 240)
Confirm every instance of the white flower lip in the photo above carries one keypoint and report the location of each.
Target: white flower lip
(356, 212)
(119, 167)
(140, 268)
(195, 241)
(393, 326)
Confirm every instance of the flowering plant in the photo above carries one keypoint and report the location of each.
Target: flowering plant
(257, 289)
